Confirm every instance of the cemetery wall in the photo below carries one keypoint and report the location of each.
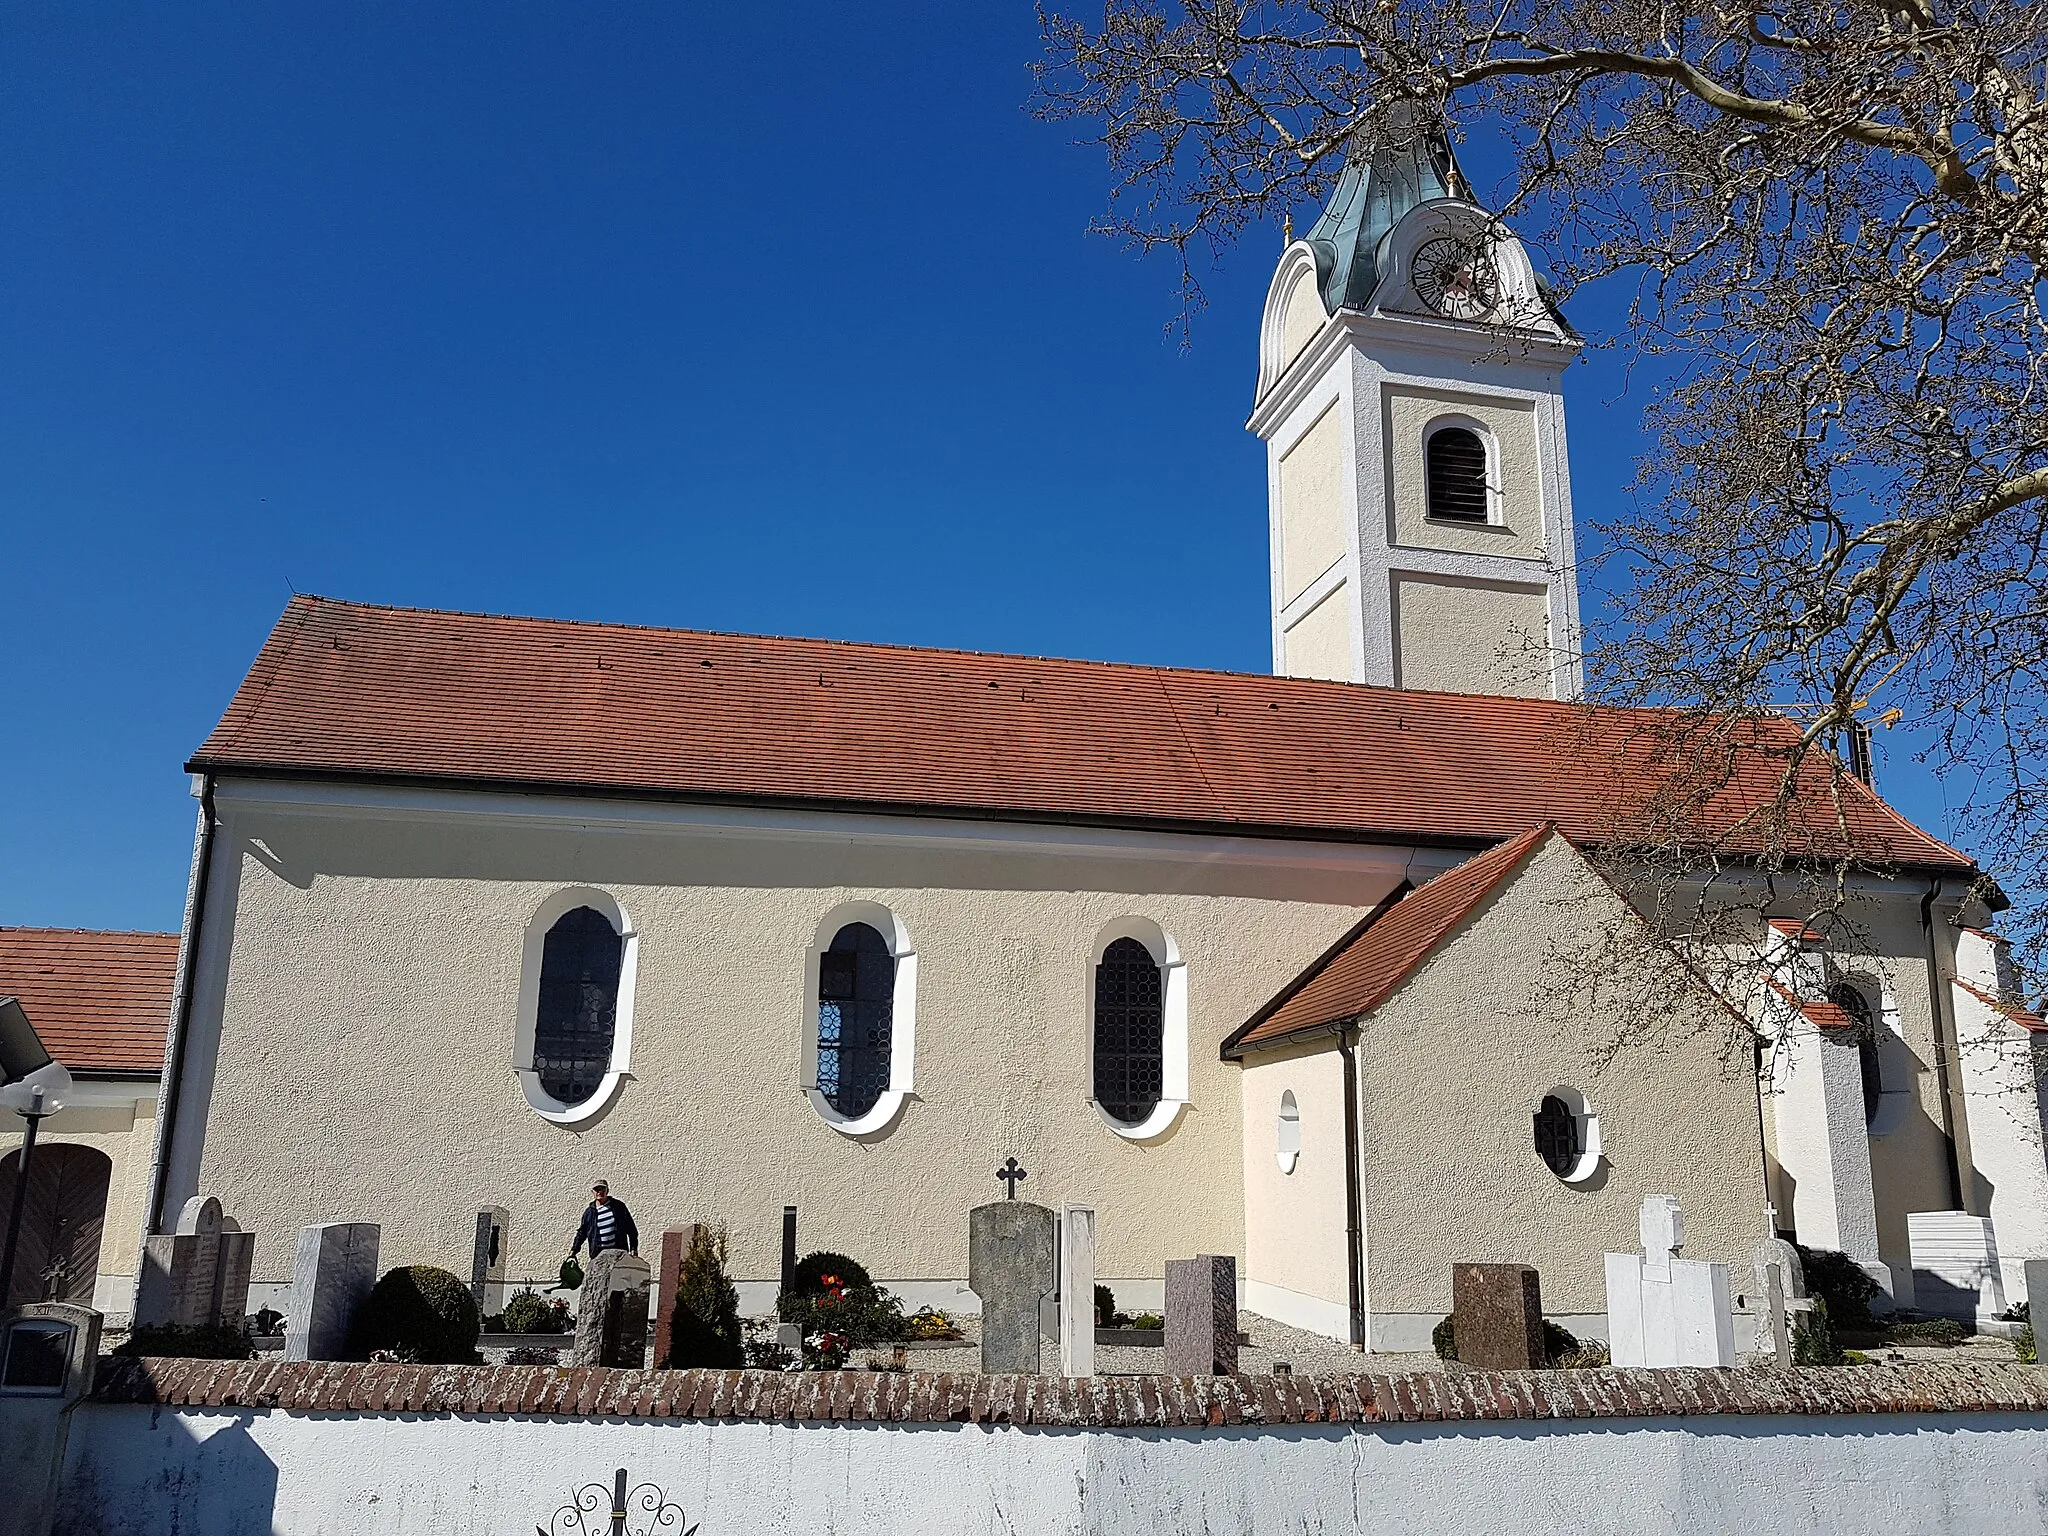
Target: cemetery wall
(332, 1449)
(1454, 1064)
(351, 1055)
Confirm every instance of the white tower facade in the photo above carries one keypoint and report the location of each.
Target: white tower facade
(1409, 399)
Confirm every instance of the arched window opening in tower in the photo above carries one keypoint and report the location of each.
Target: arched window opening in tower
(577, 1020)
(1130, 1031)
(1454, 462)
(856, 1015)
(1849, 997)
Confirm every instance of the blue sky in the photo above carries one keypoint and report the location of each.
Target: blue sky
(781, 319)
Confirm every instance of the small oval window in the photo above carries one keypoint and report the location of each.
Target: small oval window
(1567, 1135)
(1287, 1133)
(577, 1020)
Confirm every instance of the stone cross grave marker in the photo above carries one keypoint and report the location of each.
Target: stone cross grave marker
(611, 1312)
(197, 1276)
(1010, 1266)
(1201, 1315)
(1499, 1316)
(332, 1272)
(1663, 1310)
(1077, 1290)
(487, 1257)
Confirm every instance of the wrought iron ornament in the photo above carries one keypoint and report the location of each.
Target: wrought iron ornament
(1010, 1173)
(600, 1511)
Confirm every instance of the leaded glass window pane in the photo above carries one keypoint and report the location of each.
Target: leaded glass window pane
(579, 1003)
(1557, 1136)
(856, 1008)
(1130, 1031)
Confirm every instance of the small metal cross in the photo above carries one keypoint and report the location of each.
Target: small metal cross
(1010, 1173)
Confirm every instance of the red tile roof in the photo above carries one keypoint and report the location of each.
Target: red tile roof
(100, 1002)
(1363, 972)
(1820, 1013)
(344, 689)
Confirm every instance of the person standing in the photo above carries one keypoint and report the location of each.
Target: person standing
(606, 1224)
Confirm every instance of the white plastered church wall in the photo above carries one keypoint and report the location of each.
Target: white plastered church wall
(352, 1045)
(1999, 1064)
(1296, 1271)
(1453, 1067)
(1505, 594)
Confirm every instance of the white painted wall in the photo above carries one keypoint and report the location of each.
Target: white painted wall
(239, 1473)
(2001, 1090)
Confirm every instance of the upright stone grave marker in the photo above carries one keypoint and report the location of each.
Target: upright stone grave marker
(1201, 1315)
(1663, 1310)
(332, 1272)
(487, 1257)
(675, 1247)
(1498, 1310)
(197, 1276)
(1011, 1265)
(1077, 1290)
(1779, 1297)
(611, 1313)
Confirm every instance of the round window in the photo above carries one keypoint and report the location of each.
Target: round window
(1287, 1133)
(1567, 1135)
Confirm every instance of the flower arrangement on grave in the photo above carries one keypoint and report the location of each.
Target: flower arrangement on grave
(931, 1323)
(827, 1352)
(830, 1293)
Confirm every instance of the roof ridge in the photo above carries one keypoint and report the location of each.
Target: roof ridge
(108, 933)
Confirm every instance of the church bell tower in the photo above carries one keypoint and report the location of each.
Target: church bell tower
(1409, 400)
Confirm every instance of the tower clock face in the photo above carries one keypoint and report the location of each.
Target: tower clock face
(1456, 278)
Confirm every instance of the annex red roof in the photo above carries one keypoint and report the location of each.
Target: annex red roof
(1363, 972)
(344, 689)
(100, 1002)
(2013, 1011)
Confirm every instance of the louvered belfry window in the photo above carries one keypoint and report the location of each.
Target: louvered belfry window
(1130, 1031)
(579, 1004)
(1455, 467)
(856, 1011)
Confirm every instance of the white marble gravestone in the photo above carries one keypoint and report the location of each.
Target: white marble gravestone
(1077, 1290)
(1663, 1310)
(332, 1272)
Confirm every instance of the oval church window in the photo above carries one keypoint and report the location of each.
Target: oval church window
(1557, 1136)
(1454, 466)
(1130, 1031)
(578, 1014)
(856, 1017)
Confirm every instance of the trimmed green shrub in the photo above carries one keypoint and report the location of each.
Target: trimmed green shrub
(530, 1312)
(1813, 1339)
(1443, 1338)
(2023, 1346)
(815, 1270)
(1936, 1332)
(1105, 1307)
(177, 1341)
(704, 1328)
(418, 1312)
(1836, 1279)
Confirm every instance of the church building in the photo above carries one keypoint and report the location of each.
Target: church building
(1282, 967)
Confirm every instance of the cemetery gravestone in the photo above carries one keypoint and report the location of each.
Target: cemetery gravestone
(1663, 1310)
(487, 1258)
(611, 1313)
(675, 1247)
(1010, 1266)
(332, 1272)
(1779, 1297)
(1499, 1316)
(2034, 1275)
(196, 1276)
(1201, 1315)
(1077, 1290)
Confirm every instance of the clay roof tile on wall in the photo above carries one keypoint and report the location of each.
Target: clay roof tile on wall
(100, 1002)
(348, 690)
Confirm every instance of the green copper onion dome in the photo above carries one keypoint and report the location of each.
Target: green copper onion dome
(1376, 191)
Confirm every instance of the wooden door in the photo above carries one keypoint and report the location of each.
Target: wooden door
(59, 1255)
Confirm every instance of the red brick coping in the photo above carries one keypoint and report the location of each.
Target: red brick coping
(1118, 1402)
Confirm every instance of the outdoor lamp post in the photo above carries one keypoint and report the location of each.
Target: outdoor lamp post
(34, 1087)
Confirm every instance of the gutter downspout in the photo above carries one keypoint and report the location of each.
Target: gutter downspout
(181, 1014)
(1938, 1012)
(1354, 1245)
